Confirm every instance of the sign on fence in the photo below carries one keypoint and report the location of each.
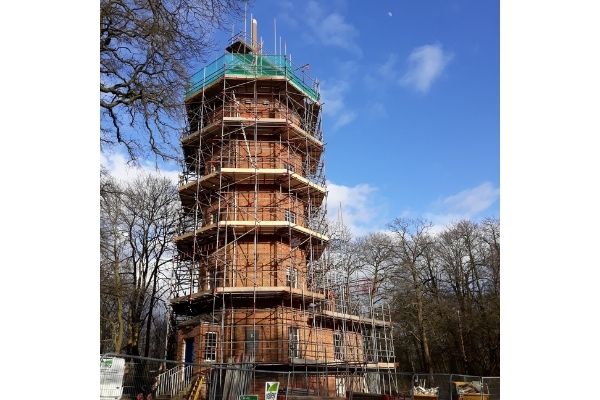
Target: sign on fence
(248, 397)
(271, 389)
(111, 378)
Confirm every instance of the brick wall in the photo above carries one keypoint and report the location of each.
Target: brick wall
(271, 328)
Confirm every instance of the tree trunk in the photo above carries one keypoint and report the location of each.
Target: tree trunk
(119, 331)
(422, 332)
(149, 321)
(462, 344)
(135, 325)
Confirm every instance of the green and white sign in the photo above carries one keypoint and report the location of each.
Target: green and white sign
(111, 378)
(248, 397)
(271, 389)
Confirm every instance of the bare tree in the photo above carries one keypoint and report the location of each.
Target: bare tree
(150, 209)
(412, 241)
(443, 291)
(455, 264)
(490, 265)
(138, 222)
(147, 48)
(490, 234)
(375, 259)
(112, 260)
(468, 255)
(341, 259)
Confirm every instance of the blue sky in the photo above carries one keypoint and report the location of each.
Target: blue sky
(411, 102)
(550, 160)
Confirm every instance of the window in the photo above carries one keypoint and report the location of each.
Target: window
(214, 217)
(368, 345)
(340, 387)
(289, 167)
(236, 108)
(214, 278)
(290, 216)
(381, 345)
(210, 346)
(251, 341)
(295, 241)
(338, 343)
(374, 344)
(291, 277)
(294, 342)
(209, 279)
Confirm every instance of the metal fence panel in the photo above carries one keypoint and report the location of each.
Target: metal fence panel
(124, 377)
(404, 383)
(492, 386)
(128, 377)
(430, 381)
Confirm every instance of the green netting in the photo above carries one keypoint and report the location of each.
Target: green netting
(248, 65)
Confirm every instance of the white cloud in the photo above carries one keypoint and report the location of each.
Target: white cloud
(441, 221)
(382, 76)
(344, 119)
(390, 13)
(286, 15)
(360, 210)
(117, 166)
(389, 68)
(466, 204)
(333, 30)
(328, 29)
(472, 201)
(426, 64)
(333, 98)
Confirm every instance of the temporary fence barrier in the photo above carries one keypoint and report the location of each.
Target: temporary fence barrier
(142, 378)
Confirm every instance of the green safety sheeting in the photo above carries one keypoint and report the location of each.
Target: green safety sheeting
(248, 65)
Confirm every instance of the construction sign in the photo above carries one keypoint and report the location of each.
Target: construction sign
(271, 389)
(111, 378)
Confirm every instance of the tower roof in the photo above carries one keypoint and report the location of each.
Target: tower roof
(240, 46)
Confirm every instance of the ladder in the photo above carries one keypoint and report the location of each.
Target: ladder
(197, 388)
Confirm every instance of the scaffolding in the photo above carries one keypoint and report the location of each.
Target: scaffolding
(251, 284)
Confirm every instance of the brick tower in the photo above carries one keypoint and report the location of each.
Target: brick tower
(252, 286)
